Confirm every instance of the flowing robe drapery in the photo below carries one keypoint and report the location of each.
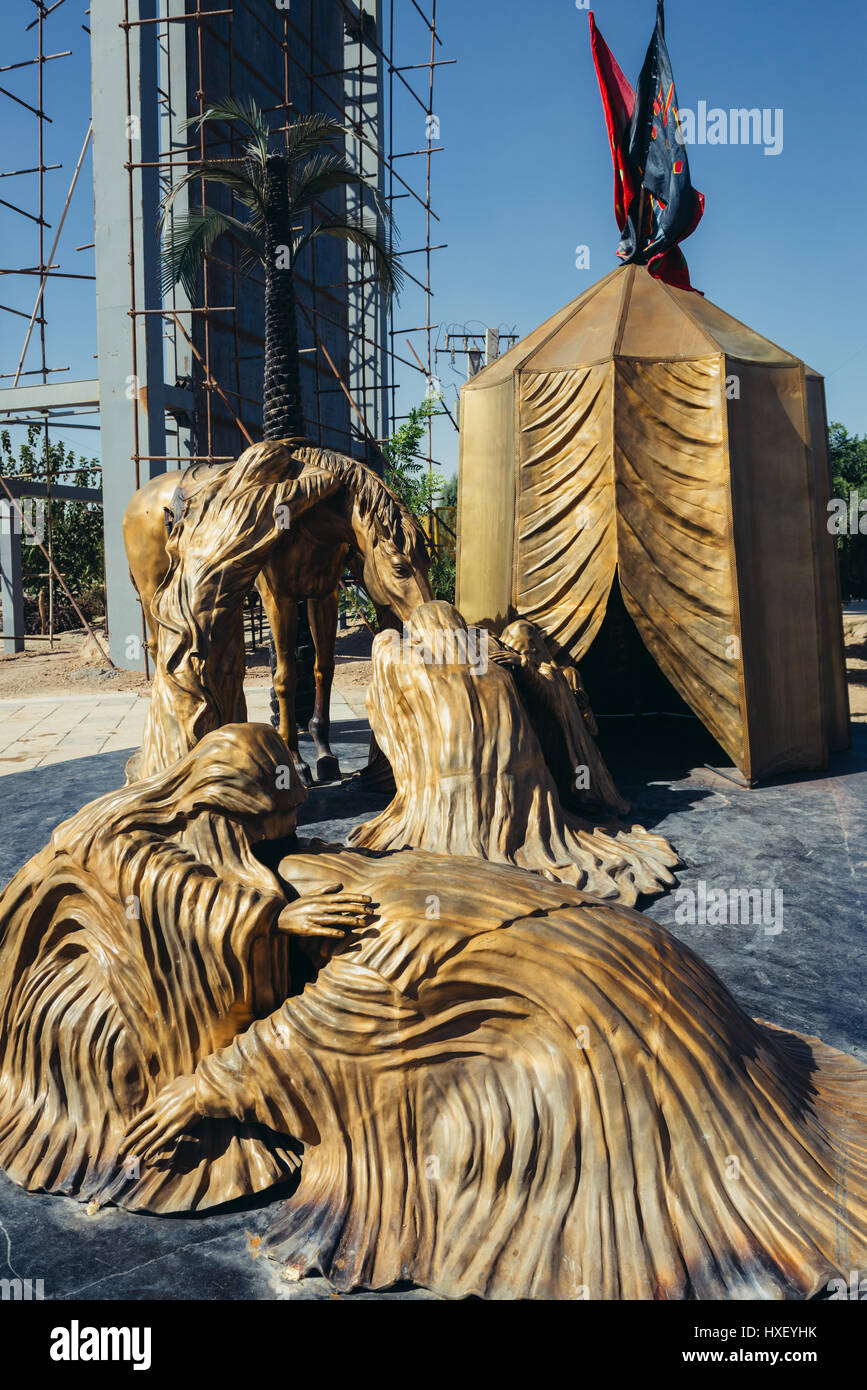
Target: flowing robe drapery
(127, 953)
(108, 993)
(509, 1090)
(472, 780)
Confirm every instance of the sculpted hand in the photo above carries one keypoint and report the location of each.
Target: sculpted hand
(504, 656)
(330, 912)
(169, 1115)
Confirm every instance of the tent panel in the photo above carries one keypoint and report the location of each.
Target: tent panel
(588, 336)
(565, 526)
(734, 338)
(503, 368)
(486, 504)
(674, 533)
(656, 326)
(777, 564)
(830, 600)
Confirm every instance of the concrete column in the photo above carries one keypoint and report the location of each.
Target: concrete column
(125, 402)
(174, 111)
(11, 580)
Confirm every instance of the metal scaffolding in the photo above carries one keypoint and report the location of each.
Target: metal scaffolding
(366, 382)
(46, 401)
(180, 383)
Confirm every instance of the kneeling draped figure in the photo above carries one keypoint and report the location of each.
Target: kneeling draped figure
(490, 1082)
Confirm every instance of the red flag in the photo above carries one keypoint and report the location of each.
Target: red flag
(671, 266)
(634, 205)
(618, 99)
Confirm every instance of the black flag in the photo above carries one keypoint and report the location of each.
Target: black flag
(669, 208)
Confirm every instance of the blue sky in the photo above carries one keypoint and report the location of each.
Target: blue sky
(526, 173)
(69, 304)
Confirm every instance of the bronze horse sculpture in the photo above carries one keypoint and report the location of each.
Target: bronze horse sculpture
(340, 516)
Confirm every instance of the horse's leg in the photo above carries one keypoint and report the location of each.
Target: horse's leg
(282, 615)
(322, 613)
(377, 774)
(146, 594)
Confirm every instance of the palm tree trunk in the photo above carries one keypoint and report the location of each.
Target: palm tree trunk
(283, 413)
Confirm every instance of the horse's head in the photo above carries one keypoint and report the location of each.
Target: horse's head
(388, 551)
(393, 559)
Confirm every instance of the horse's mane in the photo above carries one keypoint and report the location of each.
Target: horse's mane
(375, 499)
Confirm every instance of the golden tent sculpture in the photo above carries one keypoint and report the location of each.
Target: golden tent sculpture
(643, 435)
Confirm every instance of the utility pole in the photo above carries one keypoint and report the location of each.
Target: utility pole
(471, 344)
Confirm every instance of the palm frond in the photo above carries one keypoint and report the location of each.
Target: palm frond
(239, 178)
(376, 246)
(241, 111)
(253, 253)
(190, 238)
(307, 135)
(324, 173)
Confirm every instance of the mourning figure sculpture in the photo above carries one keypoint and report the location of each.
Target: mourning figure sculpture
(472, 779)
(491, 1082)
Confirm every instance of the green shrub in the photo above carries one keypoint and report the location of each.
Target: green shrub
(76, 527)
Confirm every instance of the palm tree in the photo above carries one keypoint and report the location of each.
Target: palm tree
(280, 190)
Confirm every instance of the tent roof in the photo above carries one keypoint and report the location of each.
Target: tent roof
(631, 314)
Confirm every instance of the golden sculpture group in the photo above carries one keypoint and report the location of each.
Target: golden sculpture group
(485, 1072)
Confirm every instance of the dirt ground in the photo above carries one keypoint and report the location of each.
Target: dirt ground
(352, 667)
(855, 629)
(76, 664)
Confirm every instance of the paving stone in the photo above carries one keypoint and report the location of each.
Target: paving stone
(11, 738)
(14, 729)
(13, 752)
(60, 755)
(83, 748)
